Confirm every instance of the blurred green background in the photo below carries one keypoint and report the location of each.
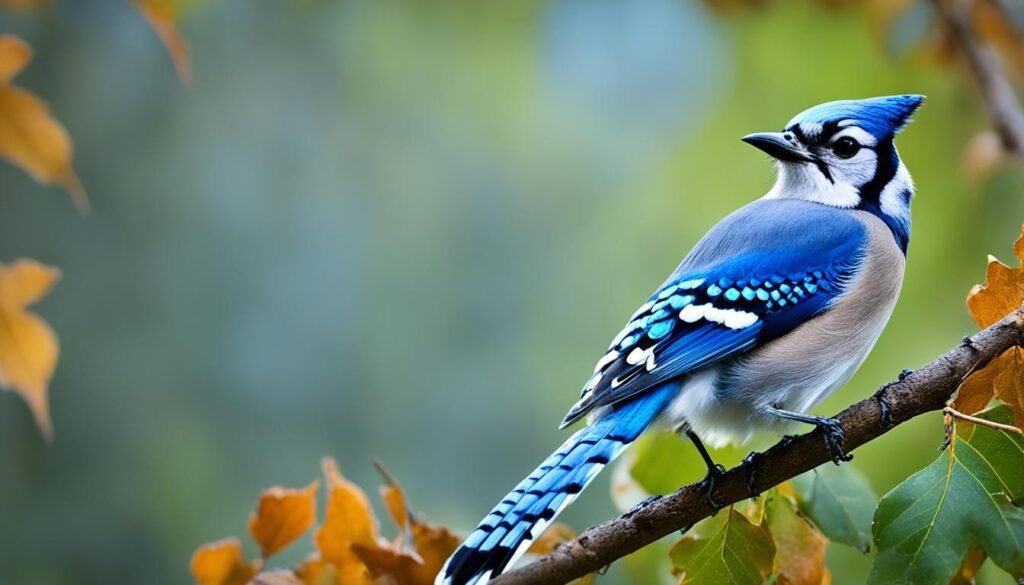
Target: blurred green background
(407, 230)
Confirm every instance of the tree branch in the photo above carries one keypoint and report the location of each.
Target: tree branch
(927, 389)
(1000, 98)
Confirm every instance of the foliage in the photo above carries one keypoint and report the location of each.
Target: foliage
(727, 548)
(28, 347)
(33, 140)
(839, 501)
(964, 500)
(349, 547)
(1003, 377)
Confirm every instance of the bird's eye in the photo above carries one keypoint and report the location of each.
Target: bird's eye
(845, 147)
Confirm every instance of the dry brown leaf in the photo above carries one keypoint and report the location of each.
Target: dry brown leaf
(28, 347)
(282, 516)
(1002, 292)
(163, 15)
(221, 563)
(1003, 377)
(349, 520)
(29, 137)
(799, 546)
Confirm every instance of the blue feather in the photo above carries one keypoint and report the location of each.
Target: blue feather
(506, 532)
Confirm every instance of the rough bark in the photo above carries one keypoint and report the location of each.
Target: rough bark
(925, 390)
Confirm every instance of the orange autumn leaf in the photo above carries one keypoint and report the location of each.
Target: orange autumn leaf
(221, 563)
(28, 347)
(29, 136)
(1003, 377)
(420, 550)
(349, 520)
(282, 516)
(799, 546)
(162, 16)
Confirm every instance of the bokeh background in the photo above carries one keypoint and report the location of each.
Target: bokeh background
(407, 230)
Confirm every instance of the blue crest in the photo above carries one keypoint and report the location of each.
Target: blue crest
(883, 117)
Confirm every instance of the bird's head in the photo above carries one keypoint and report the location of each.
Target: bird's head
(842, 154)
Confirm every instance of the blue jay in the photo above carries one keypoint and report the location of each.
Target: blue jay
(771, 312)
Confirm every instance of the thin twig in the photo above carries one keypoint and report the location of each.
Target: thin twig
(987, 68)
(980, 421)
(927, 389)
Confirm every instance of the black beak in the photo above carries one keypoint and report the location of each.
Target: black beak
(780, 145)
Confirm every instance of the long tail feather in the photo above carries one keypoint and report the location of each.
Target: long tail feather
(505, 534)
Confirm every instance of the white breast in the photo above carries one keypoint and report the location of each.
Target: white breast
(726, 403)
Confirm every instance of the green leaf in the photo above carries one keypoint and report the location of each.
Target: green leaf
(664, 462)
(961, 501)
(840, 502)
(726, 548)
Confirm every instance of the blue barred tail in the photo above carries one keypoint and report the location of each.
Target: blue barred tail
(505, 534)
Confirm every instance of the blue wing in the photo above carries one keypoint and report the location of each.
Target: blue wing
(757, 275)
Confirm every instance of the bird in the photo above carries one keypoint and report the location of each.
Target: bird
(772, 311)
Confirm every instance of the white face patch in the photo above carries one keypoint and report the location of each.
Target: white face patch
(892, 201)
(845, 176)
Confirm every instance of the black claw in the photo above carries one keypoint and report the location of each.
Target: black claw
(748, 471)
(710, 482)
(885, 413)
(904, 373)
(834, 438)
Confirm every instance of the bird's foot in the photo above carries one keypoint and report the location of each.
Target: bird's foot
(715, 473)
(748, 471)
(884, 412)
(834, 438)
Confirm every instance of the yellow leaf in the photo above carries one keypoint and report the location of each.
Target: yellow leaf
(29, 137)
(282, 516)
(14, 55)
(28, 347)
(221, 563)
(163, 15)
(349, 520)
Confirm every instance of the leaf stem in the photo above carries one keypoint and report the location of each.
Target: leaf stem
(980, 421)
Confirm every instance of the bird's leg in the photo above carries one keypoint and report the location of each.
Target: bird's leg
(715, 471)
(830, 428)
